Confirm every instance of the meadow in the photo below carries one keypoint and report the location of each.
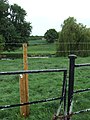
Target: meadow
(41, 86)
(35, 48)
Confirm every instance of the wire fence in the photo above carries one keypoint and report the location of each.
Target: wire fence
(42, 48)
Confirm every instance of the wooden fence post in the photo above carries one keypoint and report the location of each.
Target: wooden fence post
(24, 94)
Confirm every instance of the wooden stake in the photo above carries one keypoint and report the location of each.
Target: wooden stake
(24, 95)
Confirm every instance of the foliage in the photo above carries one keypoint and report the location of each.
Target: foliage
(51, 35)
(13, 25)
(73, 38)
(1, 43)
(36, 37)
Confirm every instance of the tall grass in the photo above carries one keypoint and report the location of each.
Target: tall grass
(41, 86)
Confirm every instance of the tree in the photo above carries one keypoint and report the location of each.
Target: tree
(1, 43)
(51, 35)
(72, 38)
(24, 30)
(17, 14)
(13, 26)
(4, 6)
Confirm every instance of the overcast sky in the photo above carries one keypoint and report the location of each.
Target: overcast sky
(47, 14)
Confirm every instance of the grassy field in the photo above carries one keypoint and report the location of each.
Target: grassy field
(37, 48)
(41, 86)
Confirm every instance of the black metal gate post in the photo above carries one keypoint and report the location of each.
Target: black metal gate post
(70, 83)
(64, 91)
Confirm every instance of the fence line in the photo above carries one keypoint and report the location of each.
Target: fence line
(62, 98)
(67, 113)
(80, 91)
(30, 103)
(32, 71)
(71, 91)
(82, 65)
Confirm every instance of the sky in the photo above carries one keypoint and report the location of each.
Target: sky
(50, 14)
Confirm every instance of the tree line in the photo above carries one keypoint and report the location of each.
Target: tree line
(74, 38)
(13, 26)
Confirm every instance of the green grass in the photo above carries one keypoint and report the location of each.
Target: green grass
(43, 49)
(42, 86)
(37, 48)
